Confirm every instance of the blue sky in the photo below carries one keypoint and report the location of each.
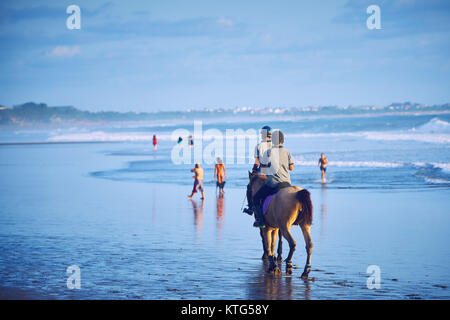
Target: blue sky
(159, 55)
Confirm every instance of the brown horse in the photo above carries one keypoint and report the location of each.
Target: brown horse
(290, 206)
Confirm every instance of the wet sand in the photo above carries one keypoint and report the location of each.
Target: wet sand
(149, 241)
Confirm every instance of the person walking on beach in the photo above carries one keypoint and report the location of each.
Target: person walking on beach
(220, 174)
(191, 141)
(260, 161)
(278, 177)
(198, 182)
(323, 165)
(155, 142)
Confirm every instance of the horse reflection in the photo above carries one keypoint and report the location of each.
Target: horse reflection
(267, 287)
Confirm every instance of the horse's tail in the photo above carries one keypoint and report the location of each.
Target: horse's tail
(306, 214)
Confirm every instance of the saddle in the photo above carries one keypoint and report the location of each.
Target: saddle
(269, 198)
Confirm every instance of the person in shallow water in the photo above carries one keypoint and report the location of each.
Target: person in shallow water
(220, 174)
(155, 142)
(280, 163)
(198, 182)
(260, 161)
(323, 165)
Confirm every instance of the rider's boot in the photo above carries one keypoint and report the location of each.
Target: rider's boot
(259, 222)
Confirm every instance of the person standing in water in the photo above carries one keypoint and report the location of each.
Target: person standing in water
(323, 165)
(198, 182)
(155, 142)
(220, 174)
(191, 141)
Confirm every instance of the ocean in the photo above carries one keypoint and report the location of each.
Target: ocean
(371, 151)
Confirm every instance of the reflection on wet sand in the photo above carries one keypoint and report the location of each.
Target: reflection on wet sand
(323, 209)
(198, 214)
(153, 205)
(268, 287)
(219, 212)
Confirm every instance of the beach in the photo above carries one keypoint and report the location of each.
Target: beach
(134, 239)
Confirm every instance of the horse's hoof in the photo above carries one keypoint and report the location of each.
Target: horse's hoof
(305, 275)
(279, 259)
(277, 271)
(289, 268)
(265, 256)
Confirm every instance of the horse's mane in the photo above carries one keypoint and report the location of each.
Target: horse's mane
(257, 176)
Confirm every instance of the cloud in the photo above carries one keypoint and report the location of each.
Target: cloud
(64, 51)
(225, 22)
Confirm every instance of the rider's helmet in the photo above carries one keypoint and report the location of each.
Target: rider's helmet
(267, 131)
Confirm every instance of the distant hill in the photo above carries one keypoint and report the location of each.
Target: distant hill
(31, 113)
(39, 114)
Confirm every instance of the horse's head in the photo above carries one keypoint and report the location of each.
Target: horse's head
(256, 181)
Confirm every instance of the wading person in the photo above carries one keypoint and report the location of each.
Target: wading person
(323, 165)
(198, 182)
(280, 163)
(261, 161)
(155, 142)
(220, 174)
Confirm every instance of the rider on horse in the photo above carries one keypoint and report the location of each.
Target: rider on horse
(260, 161)
(279, 164)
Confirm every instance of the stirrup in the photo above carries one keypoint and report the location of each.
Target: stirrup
(248, 211)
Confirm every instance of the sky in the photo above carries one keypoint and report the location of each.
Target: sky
(153, 55)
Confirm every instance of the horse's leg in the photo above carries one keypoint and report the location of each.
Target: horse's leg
(267, 236)
(276, 269)
(265, 254)
(288, 236)
(280, 247)
(307, 235)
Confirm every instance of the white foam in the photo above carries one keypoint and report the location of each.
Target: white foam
(140, 136)
(436, 181)
(369, 164)
(435, 125)
(444, 166)
(412, 136)
(101, 136)
(298, 160)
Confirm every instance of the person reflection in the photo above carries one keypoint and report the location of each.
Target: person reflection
(323, 209)
(198, 214)
(219, 211)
